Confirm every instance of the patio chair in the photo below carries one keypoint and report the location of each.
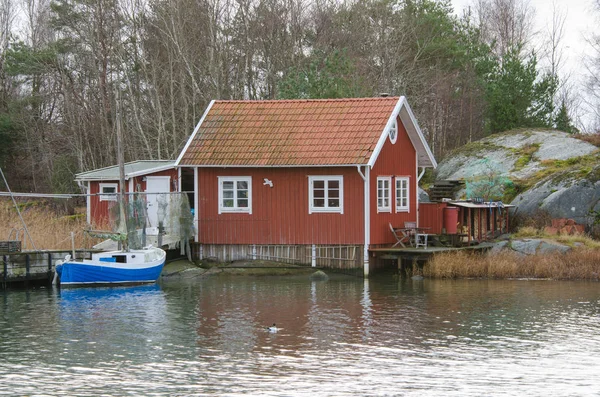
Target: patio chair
(400, 235)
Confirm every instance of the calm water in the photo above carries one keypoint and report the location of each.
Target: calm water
(346, 336)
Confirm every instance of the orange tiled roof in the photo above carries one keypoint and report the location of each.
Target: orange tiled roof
(289, 132)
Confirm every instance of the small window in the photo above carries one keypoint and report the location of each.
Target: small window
(108, 191)
(384, 194)
(235, 194)
(402, 194)
(326, 194)
(393, 133)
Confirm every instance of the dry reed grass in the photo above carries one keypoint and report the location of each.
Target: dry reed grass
(570, 240)
(48, 229)
(578, 264)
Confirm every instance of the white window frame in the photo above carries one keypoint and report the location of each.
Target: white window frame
(393, 132)
(108, 196)
(402, 208)
(388, 207)
(326, 208)
(235, 209)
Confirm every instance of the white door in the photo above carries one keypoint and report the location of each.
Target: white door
(155, 184)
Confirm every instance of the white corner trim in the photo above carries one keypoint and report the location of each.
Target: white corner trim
(188, 143)
(196, 208)
(88, 203)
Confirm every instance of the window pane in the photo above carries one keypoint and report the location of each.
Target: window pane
(319, 184)
(334, 184)
(335, 203)
(109, 189)
(242, 194)
(227, 194)
(228, 185)
(243, 203)
(228, 203)
(319, 193)
(242, 185)
(319, 203)
(334, 193)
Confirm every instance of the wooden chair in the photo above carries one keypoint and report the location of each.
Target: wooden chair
(400, 235)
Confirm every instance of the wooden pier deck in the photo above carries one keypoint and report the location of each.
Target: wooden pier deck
(28, 268)
(411, 255)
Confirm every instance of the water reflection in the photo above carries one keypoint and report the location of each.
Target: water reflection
(346, 336)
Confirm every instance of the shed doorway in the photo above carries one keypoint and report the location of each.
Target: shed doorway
(155, 184)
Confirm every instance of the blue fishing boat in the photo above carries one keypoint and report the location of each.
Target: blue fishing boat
(114, 267)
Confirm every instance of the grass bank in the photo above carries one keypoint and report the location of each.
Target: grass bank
(47, 227)
(578, 264)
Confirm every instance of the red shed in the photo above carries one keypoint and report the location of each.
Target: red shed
(308, 181)
(102, 185)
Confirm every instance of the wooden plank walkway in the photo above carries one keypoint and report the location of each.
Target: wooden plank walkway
(27, 268)
(411, 256)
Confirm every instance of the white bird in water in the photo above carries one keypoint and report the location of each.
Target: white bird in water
(273, 328)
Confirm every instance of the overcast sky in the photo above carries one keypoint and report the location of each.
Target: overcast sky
(582, 20)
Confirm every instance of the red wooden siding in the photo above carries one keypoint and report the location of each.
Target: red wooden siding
(399, 159)
(100, 209)
(280, 214)
(431, 215)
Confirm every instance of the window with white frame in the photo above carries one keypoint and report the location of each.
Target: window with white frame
(402, 194)
(384, 194)
(108, 191)
(326, 194)
(235, 194)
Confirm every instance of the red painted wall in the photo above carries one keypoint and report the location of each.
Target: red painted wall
(280, 214)
(431, 215)
(100, 209)
(398, 159)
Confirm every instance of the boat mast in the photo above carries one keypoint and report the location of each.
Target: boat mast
(121, 162)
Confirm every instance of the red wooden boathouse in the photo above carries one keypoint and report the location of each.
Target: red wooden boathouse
(307, 181)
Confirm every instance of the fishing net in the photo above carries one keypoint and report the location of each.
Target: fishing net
(174, 218)
(486, 184)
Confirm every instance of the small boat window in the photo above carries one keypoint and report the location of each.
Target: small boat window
(120, 258)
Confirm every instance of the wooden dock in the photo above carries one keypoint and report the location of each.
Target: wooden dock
(30, 268)
(409, 256)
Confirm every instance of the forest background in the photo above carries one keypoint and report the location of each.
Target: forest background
(65, 65)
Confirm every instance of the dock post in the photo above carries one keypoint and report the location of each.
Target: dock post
(50, 266)
(27, 266)
(5, 271)
(313, 261)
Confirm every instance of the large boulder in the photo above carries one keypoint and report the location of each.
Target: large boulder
(567, 194)
(530, 246)
(554, 171)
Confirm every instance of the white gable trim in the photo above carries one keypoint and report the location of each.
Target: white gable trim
(402, 110)
(187, 145)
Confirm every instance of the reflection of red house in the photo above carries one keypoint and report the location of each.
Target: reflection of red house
(140, 176)
(309, 181)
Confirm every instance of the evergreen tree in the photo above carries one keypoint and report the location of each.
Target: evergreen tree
(562, 122)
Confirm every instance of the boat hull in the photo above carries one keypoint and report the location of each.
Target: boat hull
(99, 271)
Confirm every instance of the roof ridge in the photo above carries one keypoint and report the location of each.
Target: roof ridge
(359, 99)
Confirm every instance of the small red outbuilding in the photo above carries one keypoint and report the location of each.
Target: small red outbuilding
(308, 181)
(149, 176)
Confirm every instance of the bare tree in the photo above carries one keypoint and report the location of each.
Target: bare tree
(507, 24)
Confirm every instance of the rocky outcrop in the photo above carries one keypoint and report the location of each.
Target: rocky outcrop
(556, 172)
(530, 246)
(517, 155)
(563, 195)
